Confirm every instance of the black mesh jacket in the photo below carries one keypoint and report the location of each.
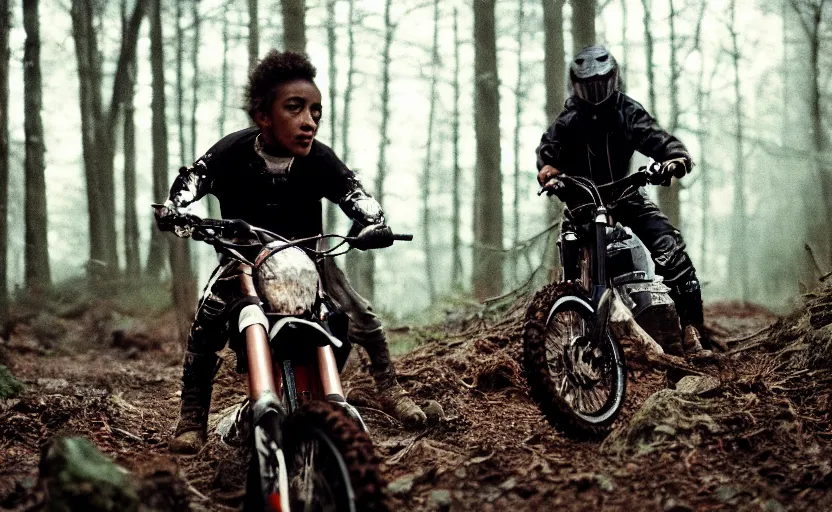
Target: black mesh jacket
(288, 204)
(598, 141)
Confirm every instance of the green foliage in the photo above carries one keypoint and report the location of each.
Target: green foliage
(79, 477)
(10, 387)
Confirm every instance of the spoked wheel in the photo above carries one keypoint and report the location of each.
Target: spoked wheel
(331, 463)
(578, 382)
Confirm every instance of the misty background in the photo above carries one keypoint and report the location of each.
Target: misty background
(745, 85)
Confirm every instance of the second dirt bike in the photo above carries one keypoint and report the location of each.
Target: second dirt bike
(309, 447)
(574, 365)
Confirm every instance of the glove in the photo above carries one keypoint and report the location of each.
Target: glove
(677, 167)
(374, 236)
(170, 218)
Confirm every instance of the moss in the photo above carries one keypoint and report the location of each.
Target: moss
(10, 387)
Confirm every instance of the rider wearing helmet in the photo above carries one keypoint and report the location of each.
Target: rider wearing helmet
(595, 137)
(274, 175)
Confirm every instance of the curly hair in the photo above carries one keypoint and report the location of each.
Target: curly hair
(275, 69)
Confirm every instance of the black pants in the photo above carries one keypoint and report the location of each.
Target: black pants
(210, 329)
(663, 240)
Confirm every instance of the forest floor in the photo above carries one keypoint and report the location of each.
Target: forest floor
(752, 434)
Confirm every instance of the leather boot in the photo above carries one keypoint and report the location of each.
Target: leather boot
(688, 299)
(197, 383)
(394, 399)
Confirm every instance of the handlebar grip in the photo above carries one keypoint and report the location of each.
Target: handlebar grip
(403, 238)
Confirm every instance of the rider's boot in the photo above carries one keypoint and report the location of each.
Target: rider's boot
(391, 396)
(688, 299)
(197, 382)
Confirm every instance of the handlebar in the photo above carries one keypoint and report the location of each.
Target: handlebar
(217, 232)
(645, 175)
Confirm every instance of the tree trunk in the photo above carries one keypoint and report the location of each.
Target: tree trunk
(738, 262)
(426, 174)
(583, 24)
(488, 213)
(5, 55)
(195, 84)
(648, 51)
(158, 242)
(253, 35)
(294, 25)
(518, 115)
(224, 80)
(332, 50)
(456, 248)
(132, 258)
(180, 86)
(669, 196)
(37, 250)
(360, 266)
(625, 43)
(182, 280)
(555, 73)
(99, 128)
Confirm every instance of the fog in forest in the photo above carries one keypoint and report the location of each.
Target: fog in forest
(745, 85)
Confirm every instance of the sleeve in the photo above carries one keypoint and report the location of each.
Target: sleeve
(650, 139)
(193, 182)
(552, 149)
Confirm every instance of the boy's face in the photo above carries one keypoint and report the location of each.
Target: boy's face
(292, 121)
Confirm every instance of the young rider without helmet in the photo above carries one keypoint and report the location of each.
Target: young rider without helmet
(274, 175)
(595, 137)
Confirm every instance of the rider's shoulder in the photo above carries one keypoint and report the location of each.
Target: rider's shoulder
(628, 104)
(235, 141)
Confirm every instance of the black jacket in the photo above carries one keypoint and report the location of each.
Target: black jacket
(598, 142)
(288, 204)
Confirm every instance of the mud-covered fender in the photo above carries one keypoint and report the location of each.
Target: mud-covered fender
(283, 322)
(569, 299)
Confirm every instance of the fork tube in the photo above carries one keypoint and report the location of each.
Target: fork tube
(599, 271)
(328, 370)
(260, 370)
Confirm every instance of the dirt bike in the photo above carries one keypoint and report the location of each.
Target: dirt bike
(309, 448)
(574, 364)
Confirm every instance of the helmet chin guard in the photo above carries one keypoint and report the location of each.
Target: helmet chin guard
(594, 74)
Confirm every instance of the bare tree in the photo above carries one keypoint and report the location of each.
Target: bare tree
(294, 25)
(811, 14)
(132, 258)
(583, 24)
(159, 246)
(669, 196)
(488, 211)
(195, 82)
(182, 280)
(5, 55)
(253, 34)
(37, 249)
(456, 243)
(555, 73)
(332, 51)
(180, 84)
(426, 174)
(99, 127)
(625, 43)
(518, 116)
(648, 51)
(738, 261)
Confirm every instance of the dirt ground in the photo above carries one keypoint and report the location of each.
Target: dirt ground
(754, 434)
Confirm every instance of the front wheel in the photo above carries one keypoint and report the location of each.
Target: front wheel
(331, 462)
(579, 383)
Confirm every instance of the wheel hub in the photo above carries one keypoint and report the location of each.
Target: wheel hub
(583, 362)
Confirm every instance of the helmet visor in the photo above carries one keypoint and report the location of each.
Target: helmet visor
(596, 90)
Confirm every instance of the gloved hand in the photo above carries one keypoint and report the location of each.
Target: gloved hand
(374, 236)
(170, 218)
(677, 167)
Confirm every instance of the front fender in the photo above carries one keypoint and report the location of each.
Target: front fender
(283, 322)
(569, 299)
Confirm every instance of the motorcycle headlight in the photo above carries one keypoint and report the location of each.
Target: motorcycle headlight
(287, 280)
